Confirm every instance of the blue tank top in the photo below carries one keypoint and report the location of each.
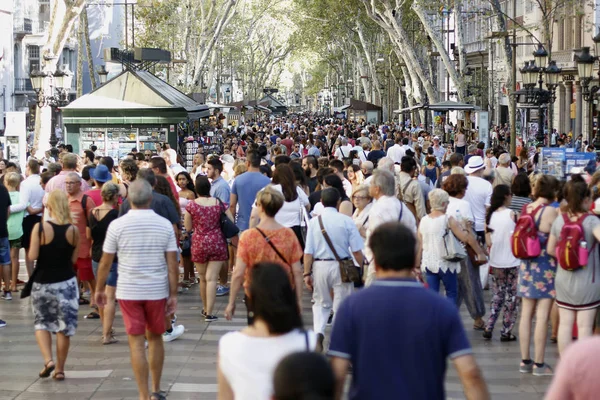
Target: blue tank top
(431, 174)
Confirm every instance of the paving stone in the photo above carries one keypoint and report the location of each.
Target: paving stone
(102, 372)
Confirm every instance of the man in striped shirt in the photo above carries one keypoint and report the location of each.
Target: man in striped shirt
(147, 284)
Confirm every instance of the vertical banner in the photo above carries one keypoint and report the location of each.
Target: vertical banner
(484, 130)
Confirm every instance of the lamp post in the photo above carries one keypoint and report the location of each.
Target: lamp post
(585, 68)
(102, 74)
(52, 90)
(531, 74)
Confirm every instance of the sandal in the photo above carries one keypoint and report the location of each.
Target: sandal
(508, 337)
(58, 376)
(47, 369)
(92, 315)
(83, 301)
(480, 327)
(487, 334)
(111, 340)
(553, 340)
(157, 396)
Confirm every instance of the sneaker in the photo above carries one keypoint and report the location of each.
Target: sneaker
(210, 318)
(544, 370)
(525, 368)
(174, 334)
(203, 313)
(222, 290)
(2, 323)
(330, 319)
(7, 296)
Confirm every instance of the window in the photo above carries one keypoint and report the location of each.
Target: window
(33, 53)
(561, 34)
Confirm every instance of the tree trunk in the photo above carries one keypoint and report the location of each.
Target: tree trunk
(220, 24)
(88, 48)
(438, 41)
(507, 55)
(372, 66)
(62, 19)
(79, 72)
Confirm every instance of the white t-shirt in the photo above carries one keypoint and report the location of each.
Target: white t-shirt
(460, 210)
(479, 195)
(503, 225)
(343, 152)
(290, 214)
(248, 362)
(362, 154)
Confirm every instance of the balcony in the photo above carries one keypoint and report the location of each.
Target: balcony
(476, 47)
(23, 26)
(28, 26)
(23, 85)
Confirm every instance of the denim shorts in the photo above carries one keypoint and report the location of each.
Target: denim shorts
(4, 251)
(113, 275)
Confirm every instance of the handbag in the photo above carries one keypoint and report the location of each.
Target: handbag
(26, 291)
(472, 254)
(348, 271)
(452, 249)
(228, 227)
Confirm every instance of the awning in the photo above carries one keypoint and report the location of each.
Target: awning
(222, 107)
(263, 108)
(341, 108)
(409, 109)
(452, 106)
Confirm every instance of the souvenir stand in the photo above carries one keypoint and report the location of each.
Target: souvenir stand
(135, 109)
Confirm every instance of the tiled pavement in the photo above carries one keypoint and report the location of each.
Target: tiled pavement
(95, 371)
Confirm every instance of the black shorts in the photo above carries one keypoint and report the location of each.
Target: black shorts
(28, 224)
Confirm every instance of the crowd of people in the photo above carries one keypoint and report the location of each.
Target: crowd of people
(371, 220)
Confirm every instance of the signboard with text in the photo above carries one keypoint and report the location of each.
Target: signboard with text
(553, 161)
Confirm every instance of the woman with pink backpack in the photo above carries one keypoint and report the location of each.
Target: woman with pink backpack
(573, 240)
(536, 279)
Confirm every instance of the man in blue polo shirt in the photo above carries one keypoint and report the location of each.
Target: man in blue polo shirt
(398, 335)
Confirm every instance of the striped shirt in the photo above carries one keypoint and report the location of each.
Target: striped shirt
(518, 202)
(140, 238)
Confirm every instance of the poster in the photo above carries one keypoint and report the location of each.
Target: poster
(578, 159)
(553, 161)
(483, 126)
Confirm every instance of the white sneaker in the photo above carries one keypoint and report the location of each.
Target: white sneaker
(175, 333)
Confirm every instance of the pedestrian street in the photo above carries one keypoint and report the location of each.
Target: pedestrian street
(94, 371)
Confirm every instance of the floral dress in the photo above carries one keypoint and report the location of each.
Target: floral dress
(208, 242)
(536, 275)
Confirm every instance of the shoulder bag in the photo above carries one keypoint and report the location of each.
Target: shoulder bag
(268, 240)
(452, 249)
(26, 291)
(348, 271)
(411, 206)
(228, 227)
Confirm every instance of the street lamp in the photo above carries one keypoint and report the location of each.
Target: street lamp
(58, 88)
(585, 68)
(102, 74)
(534, 72)
(57, 95)
(540, 55)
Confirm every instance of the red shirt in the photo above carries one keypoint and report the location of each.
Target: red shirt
(173, 187)
(80, 221)
(289, 144)
(96, 195)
